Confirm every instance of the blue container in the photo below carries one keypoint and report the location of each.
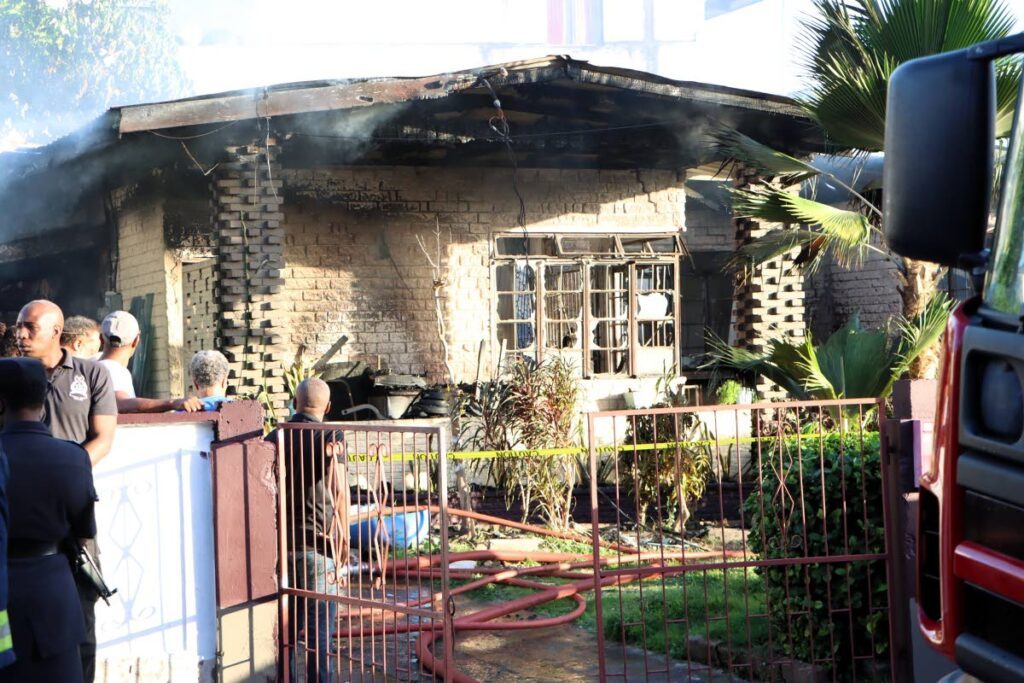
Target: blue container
(403, 530)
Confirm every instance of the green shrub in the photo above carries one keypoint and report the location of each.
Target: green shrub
(728, 393)
(536, 408)
(673, 477)
(838, 522)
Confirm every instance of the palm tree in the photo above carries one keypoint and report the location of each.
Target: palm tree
(849, 50)
(851, 363)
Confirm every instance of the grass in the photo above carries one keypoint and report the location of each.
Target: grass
(722, 616)
(711, 604)
(431, 546)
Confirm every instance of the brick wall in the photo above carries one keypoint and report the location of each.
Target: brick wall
(708, 230)
(834, 293)
(249, 240)
(142, 269)
(199, 310)
(769, 299)
(353, 266)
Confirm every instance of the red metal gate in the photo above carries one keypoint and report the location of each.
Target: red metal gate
(741, 542)
(364, 591)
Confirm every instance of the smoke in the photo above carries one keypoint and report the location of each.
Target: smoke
(348, 134)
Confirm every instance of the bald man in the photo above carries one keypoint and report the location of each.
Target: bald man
(80, 407)
(80, 402)
(318, 500)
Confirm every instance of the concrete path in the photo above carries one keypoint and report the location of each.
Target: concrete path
(566, 654)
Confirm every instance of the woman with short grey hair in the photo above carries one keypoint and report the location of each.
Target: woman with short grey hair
(209, 371)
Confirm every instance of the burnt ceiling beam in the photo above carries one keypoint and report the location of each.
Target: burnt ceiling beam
(51, 244)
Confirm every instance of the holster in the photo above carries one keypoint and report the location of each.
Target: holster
(87, 570)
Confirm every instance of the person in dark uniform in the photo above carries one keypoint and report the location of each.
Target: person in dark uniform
(80, 407)
(51, 497)
(6, 644)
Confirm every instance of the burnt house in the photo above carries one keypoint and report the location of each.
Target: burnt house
(547, 207)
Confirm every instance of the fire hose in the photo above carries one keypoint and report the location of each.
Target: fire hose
(558, 565)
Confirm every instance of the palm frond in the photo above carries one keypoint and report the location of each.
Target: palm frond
(790, 359)
(788, 170)
(917, 335)
(721, 355)
(764, 203)
(1008, 73)
(847, 234)
(816, 380)
(773, 244)
(851, 47)
(840, 233)
(856, 360)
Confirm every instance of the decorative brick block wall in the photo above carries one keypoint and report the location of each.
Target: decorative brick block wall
(199, 310)
(353, 265)
(769, 300)
(249, 238)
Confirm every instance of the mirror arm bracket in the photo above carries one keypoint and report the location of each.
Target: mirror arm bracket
(975, 264)
(994, 49)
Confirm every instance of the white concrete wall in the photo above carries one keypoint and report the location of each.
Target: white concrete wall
(156, 539)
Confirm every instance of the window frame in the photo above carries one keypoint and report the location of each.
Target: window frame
(632, 262)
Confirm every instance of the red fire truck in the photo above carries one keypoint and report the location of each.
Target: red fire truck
(939, 153)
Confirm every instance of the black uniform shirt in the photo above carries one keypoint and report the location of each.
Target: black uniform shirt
(78, 389)
(50, 492)
(310, 498)
(51, 497)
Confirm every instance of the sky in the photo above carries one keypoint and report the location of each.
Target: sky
(232, 44)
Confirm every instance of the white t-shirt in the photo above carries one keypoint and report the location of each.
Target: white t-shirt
(120, 378)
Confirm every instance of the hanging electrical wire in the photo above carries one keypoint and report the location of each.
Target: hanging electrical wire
(499, 124)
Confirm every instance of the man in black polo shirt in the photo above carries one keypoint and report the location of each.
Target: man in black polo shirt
(80, 407)
(80, 402)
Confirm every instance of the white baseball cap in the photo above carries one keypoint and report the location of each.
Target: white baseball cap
(120, 325)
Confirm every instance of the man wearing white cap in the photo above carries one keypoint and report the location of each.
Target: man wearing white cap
(121, 337)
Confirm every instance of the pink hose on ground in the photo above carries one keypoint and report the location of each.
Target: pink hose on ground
(554, 565)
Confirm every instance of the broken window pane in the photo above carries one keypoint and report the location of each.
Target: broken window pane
(563, 306)
(655, 318)
(517, 307)
(583, 245)
(649, 244)
(609, 315)
(525, 245)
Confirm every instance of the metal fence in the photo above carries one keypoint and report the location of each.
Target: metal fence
(364, 581)
(741, 542)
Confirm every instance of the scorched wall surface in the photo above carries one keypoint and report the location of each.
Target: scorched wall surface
(353, 265)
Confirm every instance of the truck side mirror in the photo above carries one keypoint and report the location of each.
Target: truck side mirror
(939, 139)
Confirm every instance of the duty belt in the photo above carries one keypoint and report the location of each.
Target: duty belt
(26, 549)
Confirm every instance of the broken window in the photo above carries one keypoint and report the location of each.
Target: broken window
(563, 311)
(517, 304)
(656, 319)
(609, 319)
(615, 313)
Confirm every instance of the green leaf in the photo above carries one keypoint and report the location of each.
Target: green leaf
(915, 336)
(767, 161)
(851, 47)
(826, 231)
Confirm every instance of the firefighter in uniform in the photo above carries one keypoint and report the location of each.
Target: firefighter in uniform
(50, 497)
